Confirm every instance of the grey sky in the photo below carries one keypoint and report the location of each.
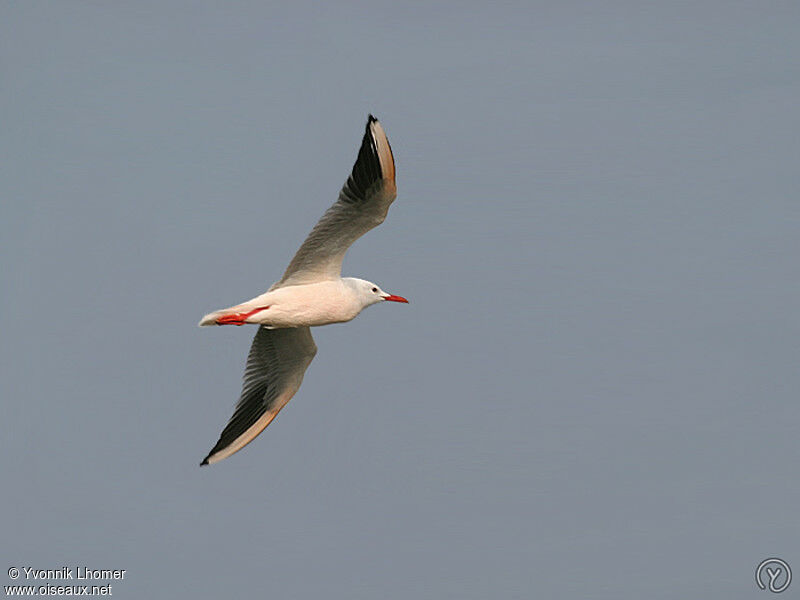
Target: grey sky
(593, 393)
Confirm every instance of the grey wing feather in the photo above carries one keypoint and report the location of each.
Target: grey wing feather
(276, 364)
(362, 205)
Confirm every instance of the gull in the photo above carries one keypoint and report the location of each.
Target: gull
(311, 292)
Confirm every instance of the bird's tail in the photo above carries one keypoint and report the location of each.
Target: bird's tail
(211, 318)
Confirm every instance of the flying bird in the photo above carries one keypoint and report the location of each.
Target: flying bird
(311, 292)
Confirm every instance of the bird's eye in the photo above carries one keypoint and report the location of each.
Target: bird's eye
(374, 289)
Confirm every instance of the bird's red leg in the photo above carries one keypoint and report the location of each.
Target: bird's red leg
(239, 318)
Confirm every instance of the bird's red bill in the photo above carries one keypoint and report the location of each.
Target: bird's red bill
(393, 298)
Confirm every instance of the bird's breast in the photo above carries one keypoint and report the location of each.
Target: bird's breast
(308, 305)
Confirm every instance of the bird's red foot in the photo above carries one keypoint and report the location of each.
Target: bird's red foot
(239, 319)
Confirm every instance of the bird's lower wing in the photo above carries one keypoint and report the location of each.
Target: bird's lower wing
(276, 364)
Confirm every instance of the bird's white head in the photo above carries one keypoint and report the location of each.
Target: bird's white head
(369, 293)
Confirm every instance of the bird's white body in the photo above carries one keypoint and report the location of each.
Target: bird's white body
(308, 305)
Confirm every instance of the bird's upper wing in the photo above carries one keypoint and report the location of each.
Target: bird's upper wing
(362, 205)
(276, 364)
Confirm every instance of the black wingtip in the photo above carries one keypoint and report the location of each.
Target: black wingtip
(205, 462)
(367, 168)
(370, 120)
